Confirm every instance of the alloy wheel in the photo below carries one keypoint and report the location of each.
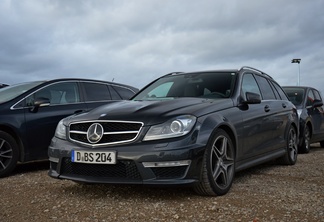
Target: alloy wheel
(292, 144)
(222, 162)
(6, 153)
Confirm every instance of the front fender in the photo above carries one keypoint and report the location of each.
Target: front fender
(208, 125)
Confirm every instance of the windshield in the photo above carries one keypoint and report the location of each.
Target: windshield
(9, 92)
(213, 85)
(296, 95)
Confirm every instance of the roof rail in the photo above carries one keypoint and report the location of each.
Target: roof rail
(171, 73)
(174, 73)
(257, 70)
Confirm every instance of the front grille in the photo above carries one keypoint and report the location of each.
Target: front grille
(114, 132)
(123, 169)
(169, 172)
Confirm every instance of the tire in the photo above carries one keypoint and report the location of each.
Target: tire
(305, 146)
(9, 154)
(218, 167)
(322, 143)
(290, 158)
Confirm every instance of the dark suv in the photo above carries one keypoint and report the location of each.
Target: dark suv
(195, 128)
(309, 104)
(29, 113)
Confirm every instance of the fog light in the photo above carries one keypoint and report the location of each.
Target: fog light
(53, 159)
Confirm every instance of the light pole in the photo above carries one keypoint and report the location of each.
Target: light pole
(297, 61)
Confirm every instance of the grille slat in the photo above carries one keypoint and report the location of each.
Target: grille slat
(169, 172)
(115, 132)
(123, 169)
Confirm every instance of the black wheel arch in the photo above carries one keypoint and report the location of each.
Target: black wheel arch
(293, 124)
(308, 122)
(310, 126)
(209, 126)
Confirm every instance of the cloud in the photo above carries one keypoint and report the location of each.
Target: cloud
(134, 42)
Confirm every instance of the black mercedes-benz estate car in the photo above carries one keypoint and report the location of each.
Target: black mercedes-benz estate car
(30, 112)
(309, 104)
(195, 128)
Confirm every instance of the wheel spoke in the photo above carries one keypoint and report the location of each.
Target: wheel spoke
(221, 161)
(2, 154)
(4, 150)
(292, 144)
(2, 165)
(307, 138)
(2, 143)
(5, 154)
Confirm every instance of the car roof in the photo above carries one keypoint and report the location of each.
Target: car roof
(42, 82)
(298, 87)
(243, 68)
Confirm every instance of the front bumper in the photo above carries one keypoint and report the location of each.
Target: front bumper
(167, 163)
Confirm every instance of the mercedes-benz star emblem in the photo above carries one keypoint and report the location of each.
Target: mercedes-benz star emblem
(95, 132)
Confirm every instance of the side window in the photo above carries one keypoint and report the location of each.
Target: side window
(317, 95)
(282, 94)
(266, 89)
(96, 92)
(249, 85)
(113, 93)
(274, 90)
(310, 98)
(125, 93)
(57, 93)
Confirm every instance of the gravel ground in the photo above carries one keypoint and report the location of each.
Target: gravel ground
(265, 193)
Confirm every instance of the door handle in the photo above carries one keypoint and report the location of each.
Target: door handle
(266, 108)
(284, 105)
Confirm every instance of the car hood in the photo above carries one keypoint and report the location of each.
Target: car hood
(154, 112)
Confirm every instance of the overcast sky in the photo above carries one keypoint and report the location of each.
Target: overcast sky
(136, 41)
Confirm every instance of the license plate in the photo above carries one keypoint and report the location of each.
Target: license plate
(93, 157)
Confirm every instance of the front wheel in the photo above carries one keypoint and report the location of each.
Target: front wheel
(8, 154)
(218, 166)
(290, 158)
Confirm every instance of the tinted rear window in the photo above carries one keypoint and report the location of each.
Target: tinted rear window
(96, 92)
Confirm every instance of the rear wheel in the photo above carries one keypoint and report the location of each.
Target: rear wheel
(218, 166)
(8, 154)
(305, 146)
(290, 158)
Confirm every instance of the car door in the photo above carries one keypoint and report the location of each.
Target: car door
(283, 109)
(316, 114)
(65, 100)
(257, 122)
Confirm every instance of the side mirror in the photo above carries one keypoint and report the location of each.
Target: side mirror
(317, 103)
(39, 102)
(252, 98)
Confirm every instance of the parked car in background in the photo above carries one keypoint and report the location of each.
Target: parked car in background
(309, 104)
(195, 128)
(29, 113)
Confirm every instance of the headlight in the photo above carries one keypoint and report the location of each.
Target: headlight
(173, 128)
(60, 131)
